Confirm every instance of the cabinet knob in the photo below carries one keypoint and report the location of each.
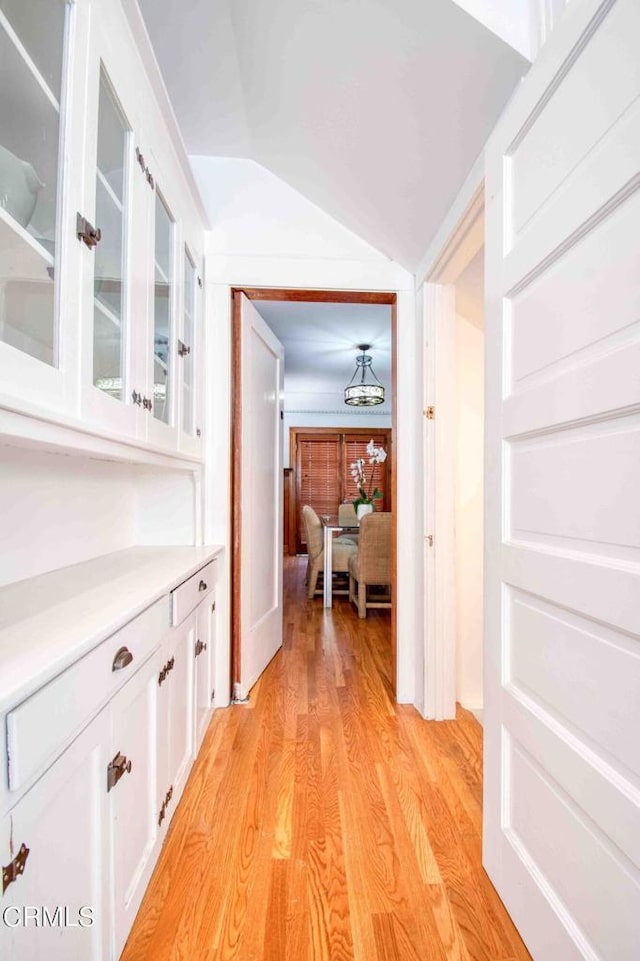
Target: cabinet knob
(116, 769)
(11, 872)
(122, 659)
(136, 398)
(202, 586)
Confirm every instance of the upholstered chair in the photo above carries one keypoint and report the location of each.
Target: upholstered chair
(371, 565)
(347, 515)
(341, 551)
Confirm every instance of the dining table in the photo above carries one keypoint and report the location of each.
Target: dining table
(331, 525)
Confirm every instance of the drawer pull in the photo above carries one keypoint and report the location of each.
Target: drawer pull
(119, 766)
(202, 586)
(122, 659)
(200, 646)
(165, 805)
(165, 670)
(11, 872)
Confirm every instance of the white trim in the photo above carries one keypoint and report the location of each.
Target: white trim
(452, 223)
(440, 447)
(223, 273)
(27, 425)
(457, 242)
(310, 273)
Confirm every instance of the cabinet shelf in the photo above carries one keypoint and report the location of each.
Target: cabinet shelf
(160, 271)
(22, 257)
(113, 197)
(23, 53)
(104, 310)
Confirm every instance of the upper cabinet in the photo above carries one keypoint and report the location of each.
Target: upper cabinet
(101, 239)
(35, 40)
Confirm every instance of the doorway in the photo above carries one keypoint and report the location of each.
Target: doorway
(288, 296)
(454, 444)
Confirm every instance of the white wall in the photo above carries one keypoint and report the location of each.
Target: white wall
(469, 511)
(58, 510)
(254, 213)
(307, 253)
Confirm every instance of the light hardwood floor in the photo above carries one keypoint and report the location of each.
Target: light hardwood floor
(323, 821)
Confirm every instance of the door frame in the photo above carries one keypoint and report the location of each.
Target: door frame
(298, 295)
(458, 242)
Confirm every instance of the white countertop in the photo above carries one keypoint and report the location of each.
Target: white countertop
(48, 622)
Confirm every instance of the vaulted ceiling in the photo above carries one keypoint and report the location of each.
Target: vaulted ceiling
(373, 109)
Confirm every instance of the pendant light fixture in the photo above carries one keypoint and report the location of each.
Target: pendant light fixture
(364, 389)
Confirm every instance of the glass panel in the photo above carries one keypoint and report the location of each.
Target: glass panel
(162, 309)
(40, 28)
(188, 406)
(29, 143)
(109, 283)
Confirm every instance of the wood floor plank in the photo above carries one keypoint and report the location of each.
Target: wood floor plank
(325, 822)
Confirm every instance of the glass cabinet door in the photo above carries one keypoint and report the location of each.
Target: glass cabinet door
(109, 313)
(162, 311)
(188, 347)
(32, 45)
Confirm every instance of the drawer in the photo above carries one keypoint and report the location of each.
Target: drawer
(188, 595)
(41, 727)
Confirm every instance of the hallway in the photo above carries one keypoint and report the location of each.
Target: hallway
(321, 821)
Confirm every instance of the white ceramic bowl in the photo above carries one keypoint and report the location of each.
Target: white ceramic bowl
(19, 187)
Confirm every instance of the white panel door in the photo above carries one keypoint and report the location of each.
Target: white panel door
(562, 579)
(261, 537)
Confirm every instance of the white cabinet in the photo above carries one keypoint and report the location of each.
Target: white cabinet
(204, 663)
(175, 717)
(135, 294)
(96, 761)
(91, 325)
(40, 182)
(115, 200)
(61, 823)
(131, 786)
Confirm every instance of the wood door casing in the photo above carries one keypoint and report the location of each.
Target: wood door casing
(322, 459)
(303, 296)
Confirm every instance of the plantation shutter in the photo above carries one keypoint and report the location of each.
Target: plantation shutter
(318, 472)
(355, 446)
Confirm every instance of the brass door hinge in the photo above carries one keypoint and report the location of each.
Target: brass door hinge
(12, 871)
(430, 413)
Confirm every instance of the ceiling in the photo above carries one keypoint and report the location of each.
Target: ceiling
(373, 109)
(320, 347)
